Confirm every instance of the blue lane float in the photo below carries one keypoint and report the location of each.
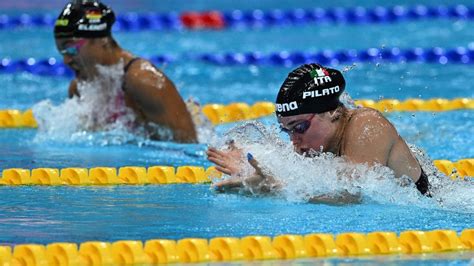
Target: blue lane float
(275, 17)
(458, 55)
(54, 67)
(435, 55)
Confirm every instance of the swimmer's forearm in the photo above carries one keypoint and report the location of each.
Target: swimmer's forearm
(344, 198)
(262, 184)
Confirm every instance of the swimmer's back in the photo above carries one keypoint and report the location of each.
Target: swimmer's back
(371, 138)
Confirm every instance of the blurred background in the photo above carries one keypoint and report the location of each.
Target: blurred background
(204, 65)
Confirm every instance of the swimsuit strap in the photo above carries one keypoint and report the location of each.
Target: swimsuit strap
(129, 64)
(423, 184)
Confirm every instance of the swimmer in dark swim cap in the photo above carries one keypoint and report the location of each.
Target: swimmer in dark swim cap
(83, 34)
(308, 109)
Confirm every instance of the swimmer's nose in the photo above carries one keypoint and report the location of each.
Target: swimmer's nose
(296, 142)
(295, 138)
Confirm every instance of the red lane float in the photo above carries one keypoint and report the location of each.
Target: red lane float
(203, 20)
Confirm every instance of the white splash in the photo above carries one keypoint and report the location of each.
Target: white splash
(449, 194)
(204, 127)
(101, 108)
(347, 100)
(304, 177)
(349, 68)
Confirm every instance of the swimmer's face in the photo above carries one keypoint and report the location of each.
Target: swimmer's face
(318, 131)
(79, 54)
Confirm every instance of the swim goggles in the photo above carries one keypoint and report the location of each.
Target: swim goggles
(73, 48)
(299, 128)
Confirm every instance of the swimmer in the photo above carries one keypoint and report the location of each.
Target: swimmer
(83, 37)
(308, 109)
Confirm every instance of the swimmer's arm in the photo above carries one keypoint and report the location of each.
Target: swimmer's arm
(340, 199)
(159, 100)
(255, 183)
(72, 91)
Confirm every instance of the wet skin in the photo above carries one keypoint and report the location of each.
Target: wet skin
(147, 91)
(367, 138)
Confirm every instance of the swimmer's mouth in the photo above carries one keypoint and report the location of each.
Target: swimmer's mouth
(76, 70)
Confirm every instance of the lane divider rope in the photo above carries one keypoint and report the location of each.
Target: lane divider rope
(437, 55)
(134, 175)
(234, 112)
(259, 18)
(248, 248)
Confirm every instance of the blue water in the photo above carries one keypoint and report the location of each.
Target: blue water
(36, 6)
(180, 211)
(47, 214)
(251, 84)
(452, 131)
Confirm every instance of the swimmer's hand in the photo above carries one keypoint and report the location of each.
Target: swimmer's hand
(262, 181)
(231, 162)
(228, 162)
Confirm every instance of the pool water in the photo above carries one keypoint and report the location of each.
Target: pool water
(180, 211)
(78, 214)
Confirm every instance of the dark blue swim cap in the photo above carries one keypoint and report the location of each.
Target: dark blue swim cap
(310, 89)
(84, 19)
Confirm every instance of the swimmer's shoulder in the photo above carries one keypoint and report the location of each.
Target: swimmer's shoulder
(366, 118)
(143, 72)
(140, 66)
(366, 114)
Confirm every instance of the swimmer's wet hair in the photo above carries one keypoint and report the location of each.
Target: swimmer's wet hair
(310, 88)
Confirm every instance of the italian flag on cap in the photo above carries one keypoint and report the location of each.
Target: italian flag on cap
(317, 73)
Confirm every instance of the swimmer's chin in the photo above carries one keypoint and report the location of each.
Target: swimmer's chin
(302, 151)
(80, 76)
(77, 72)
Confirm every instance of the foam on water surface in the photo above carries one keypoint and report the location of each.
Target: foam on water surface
(101, 108)
(323, 174)
(100, 116)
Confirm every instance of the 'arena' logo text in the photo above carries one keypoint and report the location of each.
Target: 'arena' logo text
(287, 106)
